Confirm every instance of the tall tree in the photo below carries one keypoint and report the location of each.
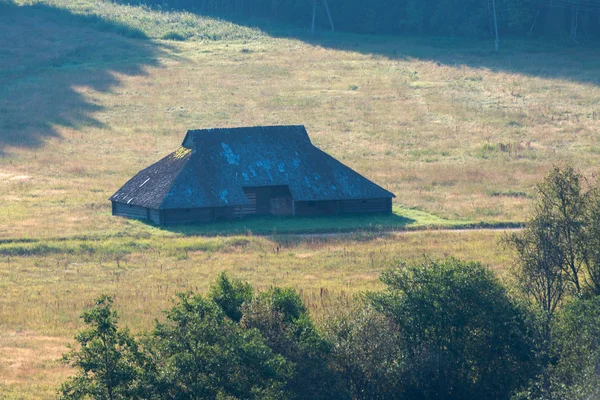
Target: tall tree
(108, 360)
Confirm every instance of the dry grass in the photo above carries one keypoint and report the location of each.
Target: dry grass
(47, 292)
(43, 295)
(29, 365)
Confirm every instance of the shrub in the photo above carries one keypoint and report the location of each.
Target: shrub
(200, 354)
(463, 337)
(367, 352)
(577, 371)
(172, 35)
(230, 295)
(281, 317)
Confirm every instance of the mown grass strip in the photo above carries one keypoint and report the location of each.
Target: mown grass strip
(223, 236)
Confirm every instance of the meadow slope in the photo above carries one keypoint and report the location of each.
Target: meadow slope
(90, 94)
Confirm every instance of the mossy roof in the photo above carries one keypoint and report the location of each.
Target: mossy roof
(214, 165)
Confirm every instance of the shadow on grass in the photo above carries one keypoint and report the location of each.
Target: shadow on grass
(528, 57)
(531, 58)
(48, 57)
(295, 225)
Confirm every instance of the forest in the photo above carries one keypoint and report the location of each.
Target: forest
(568, 20)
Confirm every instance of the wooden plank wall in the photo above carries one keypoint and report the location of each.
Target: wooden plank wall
(247, 209)
(307, 208)
(183, 215)
(366, 206)
(154, 216)
(260, 204)
(126, 210)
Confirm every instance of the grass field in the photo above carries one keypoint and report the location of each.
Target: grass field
(42, 295)
(450, 127)
(91, 92)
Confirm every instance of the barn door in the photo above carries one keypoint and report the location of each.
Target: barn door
(250, 208)
(266, 200)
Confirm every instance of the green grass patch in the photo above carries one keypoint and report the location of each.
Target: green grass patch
(118, 247)
(147, 22)
(231, 235)
(401, 219)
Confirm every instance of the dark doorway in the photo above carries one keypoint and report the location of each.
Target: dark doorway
(267, 200)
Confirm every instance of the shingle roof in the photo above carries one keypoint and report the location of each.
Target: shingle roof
(214, 165)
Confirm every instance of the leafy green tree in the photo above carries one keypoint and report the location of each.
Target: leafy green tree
(560, 209)
(201, 354)
(283, 320)
(230, 295)
(556, 255)
(589, 244)
(367, 351)
(463, 336)
(576, 374)
(108, 360)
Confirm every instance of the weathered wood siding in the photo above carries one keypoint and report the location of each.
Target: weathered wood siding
(186, 215)
(259, 199)
(367, 206)
(125, 210)
(307, 208)
(224, 213)
(247, 209)
(154, 216)
(262, 202)
(266, 200)
(333, 207)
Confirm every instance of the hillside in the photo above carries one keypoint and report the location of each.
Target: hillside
(91, 93)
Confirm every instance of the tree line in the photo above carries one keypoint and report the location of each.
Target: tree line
(559, 19)
(441, 329)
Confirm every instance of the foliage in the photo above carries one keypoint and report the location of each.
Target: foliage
(108, 361)
(439, 17)
(571, 364)
(367, 351)
(560, 209)
(463, 336)
(589, 244)
(557, 256)
(230, 295)
(203, 355)
(557, 249)
(577, 371)
(440, 329)
(282, 318)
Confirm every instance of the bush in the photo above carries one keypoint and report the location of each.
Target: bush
(281, 317)
(108, 360)
(463, 337)
(230, 295)
(172, 35)
(441, 329)
(576, 374)
(367, 352)
(200, 354)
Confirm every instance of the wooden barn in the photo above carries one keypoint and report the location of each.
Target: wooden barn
(222, 174)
